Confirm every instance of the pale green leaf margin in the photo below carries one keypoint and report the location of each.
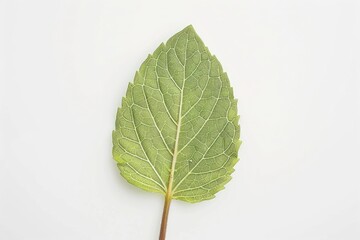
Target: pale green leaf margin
(136, 158)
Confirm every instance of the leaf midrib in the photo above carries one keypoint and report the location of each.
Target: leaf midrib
(169, 191)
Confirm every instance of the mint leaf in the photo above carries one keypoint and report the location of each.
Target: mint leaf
(177, 130)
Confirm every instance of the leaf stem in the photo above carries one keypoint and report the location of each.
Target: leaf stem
(165, 216)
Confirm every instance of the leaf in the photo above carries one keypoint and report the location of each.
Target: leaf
(177, 130)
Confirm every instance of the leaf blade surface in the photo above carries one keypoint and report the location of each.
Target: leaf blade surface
(177, 129)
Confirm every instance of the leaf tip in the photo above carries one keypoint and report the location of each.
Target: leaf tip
(190, 27)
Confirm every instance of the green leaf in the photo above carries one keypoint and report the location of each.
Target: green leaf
(177, 130)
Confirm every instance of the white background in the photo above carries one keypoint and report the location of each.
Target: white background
(294, 66)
